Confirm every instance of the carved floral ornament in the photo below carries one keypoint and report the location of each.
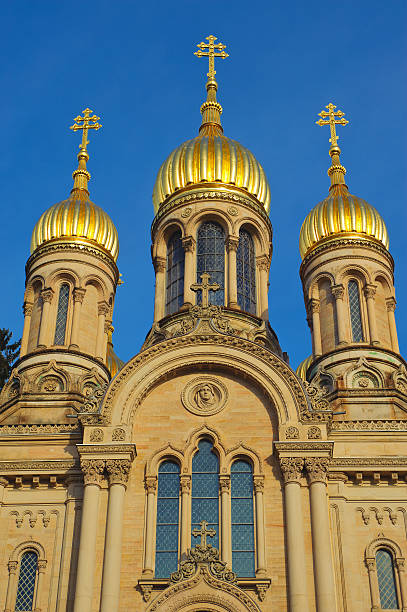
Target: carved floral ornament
(205, 395)
(118, 471)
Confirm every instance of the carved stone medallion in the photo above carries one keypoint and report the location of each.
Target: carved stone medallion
(204, 395)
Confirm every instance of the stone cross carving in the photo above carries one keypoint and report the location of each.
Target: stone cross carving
(205, 287)
(203, 532)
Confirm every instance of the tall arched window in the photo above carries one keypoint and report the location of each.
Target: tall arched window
(166, 555)
(175, 274)
(355, 312)
(387, 580)
(211, 259)
(242, 518)
(26, 581)
(205, 489)
(62, 314)
(246, 272)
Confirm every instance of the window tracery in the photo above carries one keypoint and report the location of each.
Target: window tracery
(62, 314)
(242, 514)
(386, 579)
(175, 274)
(246, 272)
(27, 581)
(167, 527)
(355, 312)
(205, 489)
(211, 259)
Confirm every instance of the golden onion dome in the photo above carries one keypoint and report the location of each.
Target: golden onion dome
(341, 214)
(302, 369)
(77, 219)
(211, 159)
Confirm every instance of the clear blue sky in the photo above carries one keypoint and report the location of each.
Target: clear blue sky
(133, 64)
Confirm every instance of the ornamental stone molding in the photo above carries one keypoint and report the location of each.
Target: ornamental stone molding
(79, 294)
(189, 244)
(258, 483)
(369, 291)
(338, 291)
(263, 262)
(150, 484)
(362, 425)
(291, 468)
(313, 305)
(317, 469)
(224, 484)
(232, 243)
(92, 470)
(391, 304)
(47, 295)
(28, 308)
(204, 395)
(160, 264)
(118, 471)
(103, 308)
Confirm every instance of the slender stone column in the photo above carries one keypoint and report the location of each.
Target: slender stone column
(11, 587)
(373, 583)
(118, 471)
(391, 307)
(291, 468)
(232, 242)
(226, 550)
(103, 309)
(314, 306)
(258, 482)
(185, 499)
(370, 291)
(160, 265)
(338, 292)
(400, 562)
(92, 470)
(189, 244)
(27, 309)
(151, 488)
(321, 536)
(43, 340)
(263, 262)
(42, 564)
(78, 295)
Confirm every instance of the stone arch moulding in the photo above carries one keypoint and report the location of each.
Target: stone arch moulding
(61, 276)
(214, 215)
(355, 271)
(261, 240)
(363, 369)
(382, 542)
(166, 230)
(28, 545)
(270, 374)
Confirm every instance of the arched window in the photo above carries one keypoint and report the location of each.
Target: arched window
(387, 580)
(205, 489)
(26, 581)
(62, 313)
(242, 519)
(355, 313)
(166, 556)
(246, 273)
(175, 274)
(211, 259)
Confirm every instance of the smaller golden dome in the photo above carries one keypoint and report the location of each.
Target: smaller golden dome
(77, 219)
(301, 371)
(341, 214)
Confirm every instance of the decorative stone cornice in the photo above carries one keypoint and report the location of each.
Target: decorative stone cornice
(118, 471)
(291, 468)
(92, 471)
(59, 466)
(365, 425)
(24, 430)
(340, 243)
(317, 469)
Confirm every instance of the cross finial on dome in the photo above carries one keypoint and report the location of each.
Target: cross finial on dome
(213, 51)
(211, 110)
(88, 122)
(333, 118)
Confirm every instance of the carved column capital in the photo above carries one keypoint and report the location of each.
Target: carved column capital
(371, 564)
(42, 566)
(78, 294)
(118, 471)
(338, 291)
(232, 242)
(291, 468)
(3, 481)
(224, 484)
(317, 469)
(400, 563)
(159, 264)
(47, 295)
(313, 305)
(28, 308)
(263, 262)
(258, 484)
(92, 471)
(12, 567)
(185, 483)
(369, 291)
(391, 304)
(189, 243)
(108, 326)
(150, 484)
(103, 308)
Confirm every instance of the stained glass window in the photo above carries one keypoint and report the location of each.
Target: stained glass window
(355, 314)
(242, 519)
(211, 259)
(26, 581)
(205, 490)
(175, 274)
(246, 273)
(166, 555)
(62, 313)
(386, 578)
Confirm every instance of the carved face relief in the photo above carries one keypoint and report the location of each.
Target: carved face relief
(204, 395)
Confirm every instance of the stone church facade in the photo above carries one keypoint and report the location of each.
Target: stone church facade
(205, 474)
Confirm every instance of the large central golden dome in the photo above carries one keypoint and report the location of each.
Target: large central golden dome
(211, 159)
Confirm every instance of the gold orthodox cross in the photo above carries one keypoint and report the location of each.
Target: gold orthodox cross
(85, 123)
(212, 52)
(203, 532)
(205, 287)
(335, 118)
